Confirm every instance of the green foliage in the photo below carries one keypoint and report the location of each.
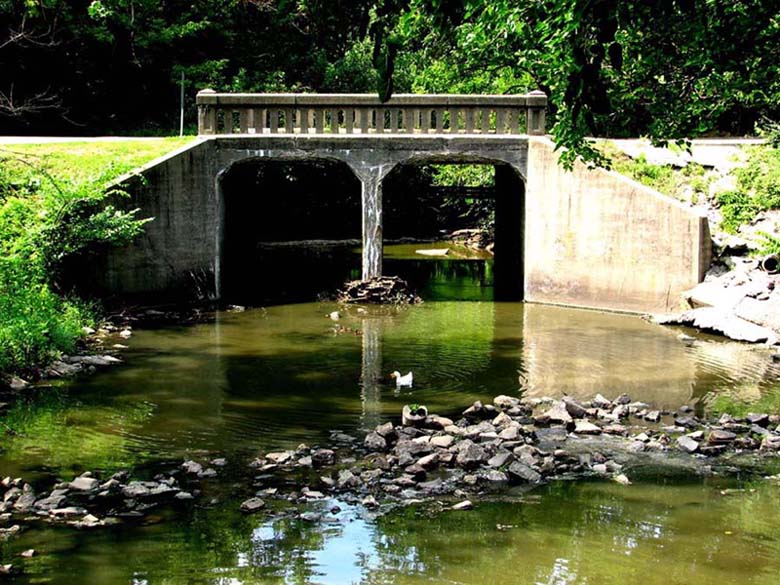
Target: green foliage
(770, 244)
(758, 189)
(34, 322)
(53, 208)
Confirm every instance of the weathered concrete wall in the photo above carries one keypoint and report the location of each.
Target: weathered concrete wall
(174, 258)
(597, 239)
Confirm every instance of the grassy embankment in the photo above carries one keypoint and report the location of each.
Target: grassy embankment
(757, 187)
(51, 209)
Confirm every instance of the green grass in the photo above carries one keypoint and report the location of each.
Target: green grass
(690, 183)
(80, 162)
(52, 207)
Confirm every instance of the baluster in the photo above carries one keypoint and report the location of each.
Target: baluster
(485, 122)
(349, 122)
(289, 127)
(334, 120)
(274, 113)
(500, 120)
(408, 116)
(319, 120)
(469, 113)
(514, 121)
(426, 122)
(365, 119)
(394, 120)
(439, 120)
(380, 120)
(243, 121)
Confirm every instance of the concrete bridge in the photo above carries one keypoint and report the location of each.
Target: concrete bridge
(586, 238)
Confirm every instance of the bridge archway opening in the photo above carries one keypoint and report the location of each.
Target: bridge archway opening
(289, 229)
(432, 199)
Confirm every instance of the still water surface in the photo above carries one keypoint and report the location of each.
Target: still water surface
(282, 375)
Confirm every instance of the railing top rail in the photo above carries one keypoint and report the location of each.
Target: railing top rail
(209, 97)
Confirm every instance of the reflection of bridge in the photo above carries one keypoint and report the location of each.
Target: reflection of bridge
(588, 238)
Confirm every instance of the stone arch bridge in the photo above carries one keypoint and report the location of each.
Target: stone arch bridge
(588, 238)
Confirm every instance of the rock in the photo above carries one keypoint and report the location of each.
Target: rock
(184, 496)
(558, 414)
(470, 454)
(334, 315)
(600, 402)
(464, 505)
(27, 554)
(476, 411)
(206, 473)
(375, 442)
(136, 489)
(621, 479)
(584, 427)
(310, 517)
(252, 505)
(347, 479)
(192, 467)
(434, 421)
(500, 459)
(510, 433)
(280, 457)
(386, 430)
(718, 437)
(504, 402)
(494, 477)
(759, 419)
(653, 416)
(502, 420)
(125, 334)
(428, 461)
(574, 408)
(770, 443)
(687, 444)
(443, 441)
(521, 472)
(370, 502)
(323, 457)
(84, 484)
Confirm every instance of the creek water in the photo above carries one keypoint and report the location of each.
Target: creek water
(274, 377)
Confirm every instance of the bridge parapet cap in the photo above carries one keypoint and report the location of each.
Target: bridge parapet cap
(350, 113)
(210, 97)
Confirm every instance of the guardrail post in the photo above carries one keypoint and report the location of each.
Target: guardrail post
(207, 115)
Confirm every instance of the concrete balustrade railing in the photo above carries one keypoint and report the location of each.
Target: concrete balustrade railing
(286, 113)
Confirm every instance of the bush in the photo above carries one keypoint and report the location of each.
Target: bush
(35, 323)
(44, 221)
(758, 189)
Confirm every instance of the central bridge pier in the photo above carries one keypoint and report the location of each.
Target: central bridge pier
(588, 238)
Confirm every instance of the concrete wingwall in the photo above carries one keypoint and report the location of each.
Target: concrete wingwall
(594, 238)
(175, 257)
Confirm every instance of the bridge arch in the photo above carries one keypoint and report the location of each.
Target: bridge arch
(267, 207)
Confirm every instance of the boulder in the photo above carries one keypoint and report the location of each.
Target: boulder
(558, 414)
(584, 427)
(719, 437)
(687, 444)
(523, 473)
(375, 442)
(252, 505)
(470, 454)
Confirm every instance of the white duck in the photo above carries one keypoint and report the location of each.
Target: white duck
(400, 380)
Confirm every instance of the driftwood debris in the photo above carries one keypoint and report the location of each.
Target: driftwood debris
(382, 290)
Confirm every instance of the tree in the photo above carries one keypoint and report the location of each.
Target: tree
(670, 69)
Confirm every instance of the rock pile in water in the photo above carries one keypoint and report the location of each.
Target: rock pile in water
(89, 502)
(384, 290)
(523, 443)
